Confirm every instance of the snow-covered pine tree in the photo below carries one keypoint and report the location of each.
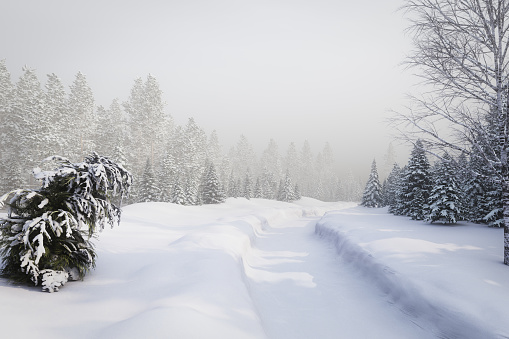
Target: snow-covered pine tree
(444, 199)
(258, 189)
(148, 190)
(286, 192)
(400, 199)
(178, 195)
(45, 238)
(211, 191)
(417, 183)
(391, 188)
(247, 189)
(372, 196)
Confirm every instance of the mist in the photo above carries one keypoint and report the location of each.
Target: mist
(320, 71)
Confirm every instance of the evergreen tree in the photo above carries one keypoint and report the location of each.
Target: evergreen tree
(248, 184)
(391, 188)
(148, 190)
(59, 218)
(212, 193)
(372, 196)
(286, 192)
(444, 200)
(178, 195)
(258, 189)
(417, 183)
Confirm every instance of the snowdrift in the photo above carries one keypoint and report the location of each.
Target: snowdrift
(449, 279)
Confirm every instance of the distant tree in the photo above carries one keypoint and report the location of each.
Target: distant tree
(286, 192)
(247, 191)
(258, 189)
(212, 192)
(178, 194)
(148, 190)
(372, 196)
(391, 187)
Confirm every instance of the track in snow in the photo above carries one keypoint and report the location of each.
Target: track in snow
(302, 290)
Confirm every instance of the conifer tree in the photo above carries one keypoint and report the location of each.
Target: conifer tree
(417, 183)
(391, 188)
(178, 194)
(212, 193)
(444, 199)
(45, 238)
(258, 189)
(148, 190)
(372, 196)
(247, 187)
(286, 191)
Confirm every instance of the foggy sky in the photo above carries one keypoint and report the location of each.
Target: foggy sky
(321, 70)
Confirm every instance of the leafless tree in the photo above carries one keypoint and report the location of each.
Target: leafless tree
(460, 51)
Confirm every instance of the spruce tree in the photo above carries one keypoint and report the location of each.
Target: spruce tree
(212, 192)
(372, 196)
(444, 199)
(286, 192)
(148, 190)
(416, 183)
(45, 238)
(177, 195)
(391, 188)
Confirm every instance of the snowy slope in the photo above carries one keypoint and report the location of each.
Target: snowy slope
(450, 279)
(256, 269)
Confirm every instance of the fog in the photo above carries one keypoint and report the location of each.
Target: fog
(320, 70)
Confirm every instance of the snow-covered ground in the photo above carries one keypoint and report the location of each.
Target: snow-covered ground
(261, 269)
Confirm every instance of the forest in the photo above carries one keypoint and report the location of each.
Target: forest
(169, 163)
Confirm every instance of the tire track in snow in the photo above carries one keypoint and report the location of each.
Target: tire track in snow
(302, 290)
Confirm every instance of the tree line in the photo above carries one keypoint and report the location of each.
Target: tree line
(450, 190)
(169, 162)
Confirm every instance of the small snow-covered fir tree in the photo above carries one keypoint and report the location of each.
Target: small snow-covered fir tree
(372, 196)
(286, 192)
(258, 189)
(391, 188)
(211, 192)
(45, 238)
(148, 191)
(248, 183)
(177, 193)
(444, 200)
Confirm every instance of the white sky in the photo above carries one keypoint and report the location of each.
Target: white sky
(321, 70)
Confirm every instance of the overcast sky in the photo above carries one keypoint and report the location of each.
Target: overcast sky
(321, 70)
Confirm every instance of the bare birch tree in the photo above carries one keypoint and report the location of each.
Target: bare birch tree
(460, 51)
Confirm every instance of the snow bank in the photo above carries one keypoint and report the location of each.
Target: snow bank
(445, 278)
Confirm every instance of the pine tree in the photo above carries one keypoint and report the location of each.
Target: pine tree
(6, 92)
(258, 189)
(372, 196)
(444, 199)
(247, 191)
(71, 206)
(212, 193)
(148, 190)
(178, 195)
(391, 188)
(417, 183)
(286, 192)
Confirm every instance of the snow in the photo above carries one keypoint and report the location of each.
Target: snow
(267, 269)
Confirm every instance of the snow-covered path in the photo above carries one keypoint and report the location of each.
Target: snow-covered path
(302, 290)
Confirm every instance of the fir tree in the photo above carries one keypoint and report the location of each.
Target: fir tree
(212, 193)
(372, 196)
(444, 200)
(391, 188)
(286, 192)
(148, 191)
(417, 183)
(247, 188)
(45, 239)
(177, 194)
(258, 189)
